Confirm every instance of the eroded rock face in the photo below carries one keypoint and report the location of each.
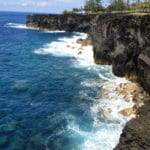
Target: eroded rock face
(136, 134)
(75, 23)
(124, 42)
(120, 40)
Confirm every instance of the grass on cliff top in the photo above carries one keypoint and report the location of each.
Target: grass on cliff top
(140, 14)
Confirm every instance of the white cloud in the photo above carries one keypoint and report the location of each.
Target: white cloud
(39, 3)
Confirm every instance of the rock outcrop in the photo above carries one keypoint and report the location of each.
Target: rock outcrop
(136, 134)
(70, 23)
(122, 41)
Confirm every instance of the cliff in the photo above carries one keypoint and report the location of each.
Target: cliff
(120, 40)
(75, 23)
(136, 134)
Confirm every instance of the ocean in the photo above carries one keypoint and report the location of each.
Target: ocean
(51, 96)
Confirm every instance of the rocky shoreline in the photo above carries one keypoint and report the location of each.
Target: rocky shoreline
(130, 91)
(122, 41)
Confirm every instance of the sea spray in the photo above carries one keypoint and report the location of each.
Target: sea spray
(107, 123)
(71, 101)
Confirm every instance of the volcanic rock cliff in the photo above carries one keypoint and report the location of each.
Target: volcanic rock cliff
(123, 41)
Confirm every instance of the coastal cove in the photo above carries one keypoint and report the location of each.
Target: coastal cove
(120, 40)
(53, 95)
(74, 82)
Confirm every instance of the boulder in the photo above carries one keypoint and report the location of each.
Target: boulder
(127, 111)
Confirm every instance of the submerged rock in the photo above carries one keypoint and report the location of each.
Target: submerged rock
(107, 113)
(21, 85)
(9, 127)
(37, 142)
(3, 140)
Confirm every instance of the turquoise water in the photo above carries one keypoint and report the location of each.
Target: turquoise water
(49, 97)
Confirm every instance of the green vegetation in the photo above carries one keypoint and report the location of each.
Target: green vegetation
(95, 6)
(141, 5)
(117, 5)
(74, 10)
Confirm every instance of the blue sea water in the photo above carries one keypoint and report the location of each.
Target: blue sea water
(49, 99)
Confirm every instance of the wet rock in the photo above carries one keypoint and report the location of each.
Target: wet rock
(68, 46)
(80, 52)
(79, 41)
(136, 133)
(84, 42)
(127, 111)
(114, 97)
(107, 113)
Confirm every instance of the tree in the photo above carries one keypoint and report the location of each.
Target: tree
(75, 10)
(67, 12)
(93, 6)
(117, 5)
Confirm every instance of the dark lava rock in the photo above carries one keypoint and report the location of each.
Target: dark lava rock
(123, 41)
(72, 22)
(136, 134)
(118, 39)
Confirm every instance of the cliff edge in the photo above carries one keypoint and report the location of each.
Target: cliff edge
(120, 40)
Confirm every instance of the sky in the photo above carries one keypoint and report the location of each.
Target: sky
(46, 6)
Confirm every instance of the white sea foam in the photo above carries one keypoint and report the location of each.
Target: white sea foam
(16, 25)
(69, 48)
(23, 26)
(107, 122)
(56, 31)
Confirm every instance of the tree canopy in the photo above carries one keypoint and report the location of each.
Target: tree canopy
(93, 6)
(118, 5)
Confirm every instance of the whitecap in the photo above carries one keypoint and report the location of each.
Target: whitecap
(56, 31)
(107, 123)
(16, 25)
(67, 47)
(106, 128)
